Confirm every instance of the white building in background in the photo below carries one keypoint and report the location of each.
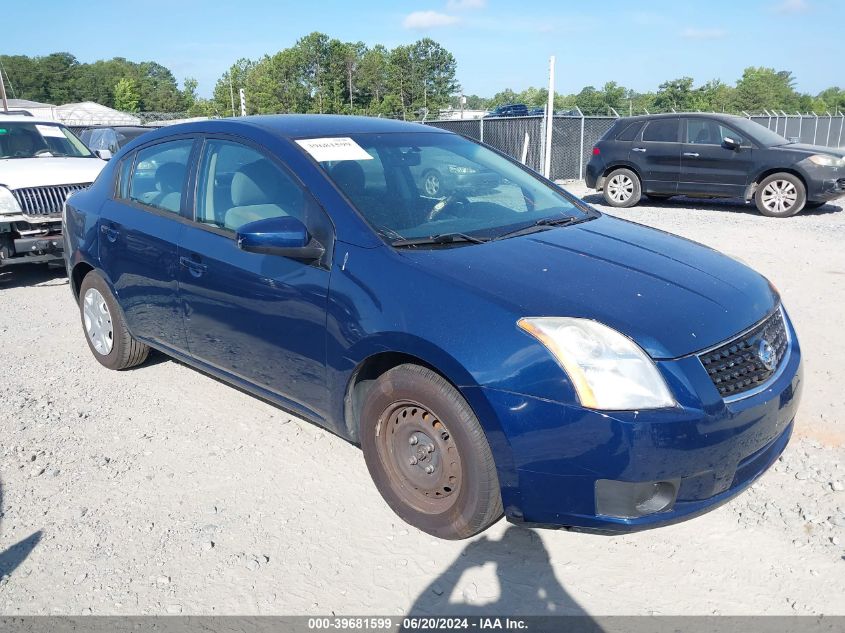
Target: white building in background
(36, 109)
(90, 113)
(452, 114)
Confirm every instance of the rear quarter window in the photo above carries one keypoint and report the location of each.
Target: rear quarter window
(629, 132)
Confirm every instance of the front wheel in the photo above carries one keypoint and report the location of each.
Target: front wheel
(780, 196)
(428, 455)
(105, 330)
(622, 189)
(432, 183)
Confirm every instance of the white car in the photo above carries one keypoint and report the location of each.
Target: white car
(41, 164)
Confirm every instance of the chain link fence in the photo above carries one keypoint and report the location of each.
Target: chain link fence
(573, 137)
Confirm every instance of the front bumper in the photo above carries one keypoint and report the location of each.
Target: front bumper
(823, 183)
(557, 454)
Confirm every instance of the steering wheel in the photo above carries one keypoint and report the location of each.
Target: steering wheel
(440, 205)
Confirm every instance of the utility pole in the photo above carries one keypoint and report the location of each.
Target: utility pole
(550, 112)
(243, 102)
(3, 92)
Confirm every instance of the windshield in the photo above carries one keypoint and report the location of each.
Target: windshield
(20, 139)
(429, 184)
(760, 133)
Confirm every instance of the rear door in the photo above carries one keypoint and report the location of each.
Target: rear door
(261, 318)
(139, 229)
(657, 153)
(707, 166)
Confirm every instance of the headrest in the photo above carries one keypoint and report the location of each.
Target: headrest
(170, 176)
(258, 182)
(349, 175)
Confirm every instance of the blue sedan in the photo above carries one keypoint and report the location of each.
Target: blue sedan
(500, 348)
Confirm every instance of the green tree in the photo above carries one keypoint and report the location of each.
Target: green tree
(126, 96)
(765, 88)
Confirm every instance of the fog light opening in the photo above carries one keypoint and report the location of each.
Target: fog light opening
(659, 497)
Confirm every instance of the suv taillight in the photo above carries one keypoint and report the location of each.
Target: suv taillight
(596, 151)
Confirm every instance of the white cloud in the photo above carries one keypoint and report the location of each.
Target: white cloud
(792, 6)
(704, 34)
(428, 20)
(461, 5)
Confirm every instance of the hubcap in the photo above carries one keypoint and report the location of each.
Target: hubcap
(779, 196)
(431, 184)
(97, 321)
(620, 188)
(420, 455)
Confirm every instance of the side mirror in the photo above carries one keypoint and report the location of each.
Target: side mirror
(729, 143)
(285, 236)
(105, 154)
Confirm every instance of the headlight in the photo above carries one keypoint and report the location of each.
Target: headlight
(825, 160)
(8, 204)
(608, 370)
(461, 169)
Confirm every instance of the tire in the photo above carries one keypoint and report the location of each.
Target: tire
(432, 183)
(622, 188)
(814, 205)
(411, 417)
(780, 196)
(104, 327)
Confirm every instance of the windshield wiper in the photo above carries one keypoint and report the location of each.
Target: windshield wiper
(539, 225)
(441, 238)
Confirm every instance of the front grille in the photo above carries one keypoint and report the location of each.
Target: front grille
(840, 184)
(737, 366)
(45, 200)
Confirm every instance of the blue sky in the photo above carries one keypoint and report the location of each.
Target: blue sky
(497, 43)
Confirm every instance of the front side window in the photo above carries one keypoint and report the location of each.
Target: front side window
(662, 131)
(428, 184)
(19, 139)
(709, 132)
(238, 185)
(159, 176)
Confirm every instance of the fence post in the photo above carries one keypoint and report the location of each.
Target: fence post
(841, 125)
(800, 124)
(481, 129)
(581, 157)
(815, 129)
(550, 115)
(829, 125)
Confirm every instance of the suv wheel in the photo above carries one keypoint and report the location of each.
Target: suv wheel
(622, 188)
(428, 455)
(104, 327)
(432, 184)
(780, 196)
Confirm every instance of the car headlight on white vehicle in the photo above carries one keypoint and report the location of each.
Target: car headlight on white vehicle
(825, 160)
(8, 204)
(607, 369)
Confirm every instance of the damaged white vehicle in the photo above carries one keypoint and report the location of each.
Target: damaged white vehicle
(41, 164)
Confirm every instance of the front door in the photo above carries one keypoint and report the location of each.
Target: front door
(707, 165)
(261, 318)
(658, 155)
(139, 230)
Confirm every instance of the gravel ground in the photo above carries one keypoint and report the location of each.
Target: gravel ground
(161, 490)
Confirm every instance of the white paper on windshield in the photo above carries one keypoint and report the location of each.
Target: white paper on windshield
(335, 148)
(50, 130)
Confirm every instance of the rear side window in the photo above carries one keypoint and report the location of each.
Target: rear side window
(662, 131)
(630, 131)
(158, 178)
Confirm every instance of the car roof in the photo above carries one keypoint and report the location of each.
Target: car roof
(304, 125)
(670, 115)
(26, 119)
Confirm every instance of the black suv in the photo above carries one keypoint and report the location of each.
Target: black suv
(713, 156)
(510, 109)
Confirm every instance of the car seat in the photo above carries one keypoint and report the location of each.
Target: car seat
(258, 193)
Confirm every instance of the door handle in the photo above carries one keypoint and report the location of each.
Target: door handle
(110, 232)
(639, 149)
(194, 267)
(691, 154)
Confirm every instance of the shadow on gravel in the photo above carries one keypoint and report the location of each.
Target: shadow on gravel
(21, 275)
(527, 581)
(725, 205)
(11, 558)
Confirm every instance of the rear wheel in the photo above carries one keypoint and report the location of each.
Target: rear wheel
(105, 330)
(780, 195)
(428, 454)
(622, 188)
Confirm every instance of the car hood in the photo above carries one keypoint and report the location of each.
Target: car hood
(670, 295)
(42, 172)
(808, 149)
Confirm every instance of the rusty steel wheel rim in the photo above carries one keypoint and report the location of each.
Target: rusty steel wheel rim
(420, 456)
